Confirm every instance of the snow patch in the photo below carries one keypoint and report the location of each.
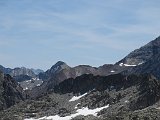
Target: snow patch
(112, 71)
(121, 64)
(127, 65)
(126, 101)
(27, 81)
(141, 63)
(158, 108)
(83, 111)
(74, 98)
(76, 107)
(25, 88)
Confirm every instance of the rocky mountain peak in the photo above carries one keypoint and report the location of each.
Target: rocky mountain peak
(143, 54)
(56, 68)
(60, 65)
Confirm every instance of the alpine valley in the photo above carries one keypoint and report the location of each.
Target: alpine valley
(126, 90)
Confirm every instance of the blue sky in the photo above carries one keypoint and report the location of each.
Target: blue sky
(38, 33)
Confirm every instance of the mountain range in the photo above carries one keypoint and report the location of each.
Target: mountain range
(137, 62)
(126, 90)
(19, 72)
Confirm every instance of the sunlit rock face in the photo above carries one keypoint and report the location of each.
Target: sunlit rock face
(143, 54)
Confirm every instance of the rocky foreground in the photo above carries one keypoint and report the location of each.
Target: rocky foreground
(133, 97)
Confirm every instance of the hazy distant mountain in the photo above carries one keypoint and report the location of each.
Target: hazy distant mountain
(27, 78)
(20, 72)
(5, 70)
(17, 71)
(37, 71)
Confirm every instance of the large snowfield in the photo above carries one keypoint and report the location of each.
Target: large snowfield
(83, 111)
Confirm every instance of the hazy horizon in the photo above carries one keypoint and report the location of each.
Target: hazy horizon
(38, 33)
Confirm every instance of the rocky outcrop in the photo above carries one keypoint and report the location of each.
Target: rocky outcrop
(21, 78)
(10, 92)
(125, 95)
(147, 90)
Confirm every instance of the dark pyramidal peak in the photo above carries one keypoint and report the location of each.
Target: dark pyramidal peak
(60, 63)
(56, 68)
(59, 66)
